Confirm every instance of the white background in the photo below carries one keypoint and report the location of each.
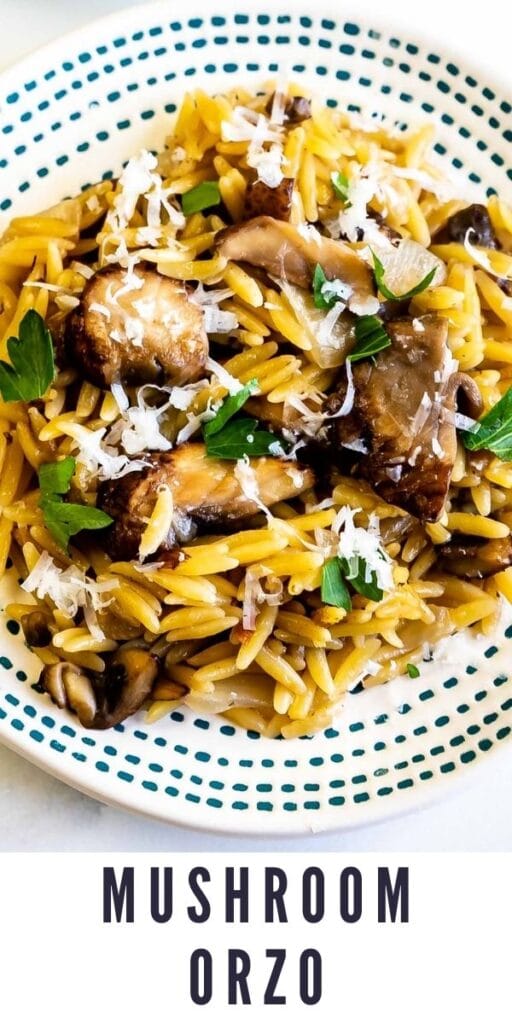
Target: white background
(38, 813)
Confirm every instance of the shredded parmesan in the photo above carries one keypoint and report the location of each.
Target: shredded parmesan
(69, 589)
(249, 484)
(356, 542)
(225, 379)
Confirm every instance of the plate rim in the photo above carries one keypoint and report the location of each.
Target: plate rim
(403, 803)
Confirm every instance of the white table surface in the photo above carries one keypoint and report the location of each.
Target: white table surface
(39, 813)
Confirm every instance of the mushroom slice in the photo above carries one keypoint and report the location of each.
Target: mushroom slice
(138, 327)
(207, 490)
(403, 416)
(274, 202)
(474, 560)
(296, 108)
(102, 701)
(284, 251)
(474, 218)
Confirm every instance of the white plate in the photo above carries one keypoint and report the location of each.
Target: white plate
(71, 114)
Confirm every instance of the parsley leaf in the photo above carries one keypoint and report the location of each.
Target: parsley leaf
(63, 518)
(328, 291)
(55, 477)
(242, 437)
(412, 671)
(494, 430)
(378, 270)
(334, 589)
(230, 405)
(32, 366)
(355, 572)
(201, 197)
(319, 279)
(371, 337)
(340, 184)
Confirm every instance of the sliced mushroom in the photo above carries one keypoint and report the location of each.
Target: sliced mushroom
(403, 413)
(285, 252)
(473, 559)
(273, 202)
(139, 327)
(36, 628)
(473, 218)
(206, 489)
(296, 108)
(102, 701)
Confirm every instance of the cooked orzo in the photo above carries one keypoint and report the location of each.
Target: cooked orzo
(256, 417)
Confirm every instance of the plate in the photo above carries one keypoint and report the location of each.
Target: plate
(69, 116)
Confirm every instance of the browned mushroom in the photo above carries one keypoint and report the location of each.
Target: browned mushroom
(102, 701)
(206, 489)
(403, 416)
(474, 218)
(36, 628)
(475, 559)
(138, 327)
(285, 252)
(296, 108)
(273, 202)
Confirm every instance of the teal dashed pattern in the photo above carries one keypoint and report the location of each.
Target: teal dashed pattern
(116, 88)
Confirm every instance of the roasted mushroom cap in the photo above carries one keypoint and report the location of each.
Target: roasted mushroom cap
(36, 628)
(473, 218)
(102, 701)
(296, 108)
(206, 489)
(475, 559)
(403, 415)
(273, 202)
(138, 327)
(285, 252)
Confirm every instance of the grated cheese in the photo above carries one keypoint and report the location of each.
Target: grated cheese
(138, 428)
(69, 589)
(356, 542)
(225, 379)
(248, 481)
(480, 257)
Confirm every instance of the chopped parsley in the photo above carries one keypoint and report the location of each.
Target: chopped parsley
(326, 293)
(201, 197)
(63, 518)
(371, 337)
(494, 430)
(240, 438)
(334, 589)
(32, 367)
(338, 572)
(341, 185)
(379, 272)
(413, 671)
(231, 405)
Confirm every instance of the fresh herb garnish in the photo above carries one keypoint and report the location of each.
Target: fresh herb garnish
(337, 572)
(371, 337)
(334, 589)
(55, 477)
(32, 366)
(494, 430)
(412, 671)
(242, 437)
(201, 197)
(63, 518)
(327, 292)
(231, 405)
(341, 185)
(379, 272)
(355, 572)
